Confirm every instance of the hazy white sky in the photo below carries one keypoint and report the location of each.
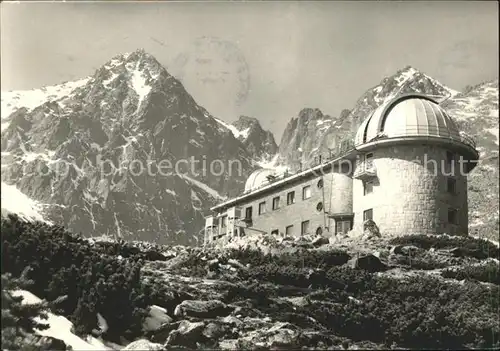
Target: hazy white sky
(267, 60)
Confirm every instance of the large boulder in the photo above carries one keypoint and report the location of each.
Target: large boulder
(156, 318)
(370, 263)
(202, 309)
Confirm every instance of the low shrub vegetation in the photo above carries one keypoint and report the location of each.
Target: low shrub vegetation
(488, 273)
(471, 247)
(93, 278)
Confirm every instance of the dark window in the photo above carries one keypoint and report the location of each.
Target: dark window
(262, 208)
(452, 216)
(320, 183)
(306, 192)
(368, 214)
(304, 228)
(368, 187)
(223, 221)
(290, 198)
(276, 203)
(319, 206)
(451, 185)
(319, 231)
(248, 212)
(275, 232)
(289, 230)
(343, 226)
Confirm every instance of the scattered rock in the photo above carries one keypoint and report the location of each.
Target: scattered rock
(143, 344)
(232, 320)
(229, 344)
(320, 241)
(281, 335)
(405, 250)
(188, 334)
(202, 309)
(236, 264)
(161, 335)
(50, 343)
(215, 331)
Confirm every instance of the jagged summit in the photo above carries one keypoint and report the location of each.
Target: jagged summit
(131, 111)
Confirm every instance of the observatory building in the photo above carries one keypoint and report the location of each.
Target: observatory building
(406, 170)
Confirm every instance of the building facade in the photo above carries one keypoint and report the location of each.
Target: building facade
(407, 171)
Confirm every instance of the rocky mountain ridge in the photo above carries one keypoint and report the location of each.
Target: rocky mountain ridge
(126, 152)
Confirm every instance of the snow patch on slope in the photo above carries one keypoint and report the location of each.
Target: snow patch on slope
(139, 84)
(14, 201)
(60, 327)
(237, 133)
(204, 187)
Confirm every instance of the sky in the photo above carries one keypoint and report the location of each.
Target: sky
(268, 60)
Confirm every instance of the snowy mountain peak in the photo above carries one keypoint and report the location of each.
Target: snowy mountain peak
(138, 70)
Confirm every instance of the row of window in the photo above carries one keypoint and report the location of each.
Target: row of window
(341, 226)
(304, 229)
(290, 199)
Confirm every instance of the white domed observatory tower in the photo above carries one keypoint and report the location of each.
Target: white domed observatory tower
(411, 172)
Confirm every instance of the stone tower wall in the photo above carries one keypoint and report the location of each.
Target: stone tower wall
(409, 195)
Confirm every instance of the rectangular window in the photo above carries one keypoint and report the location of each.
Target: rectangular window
(452, 216)
(343, 226)
(368, 187)
(304, 228)
(276, 203)
(223, 221)
(248, 212)
(290, 198)
(262, 207)
(289, 230)
(368, 214)
(451, 185)
(306, 192)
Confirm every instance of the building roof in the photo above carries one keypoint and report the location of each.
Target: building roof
(283, 179)
(411, 115)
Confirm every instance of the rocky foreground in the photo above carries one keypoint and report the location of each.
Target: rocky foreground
(410, 292)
